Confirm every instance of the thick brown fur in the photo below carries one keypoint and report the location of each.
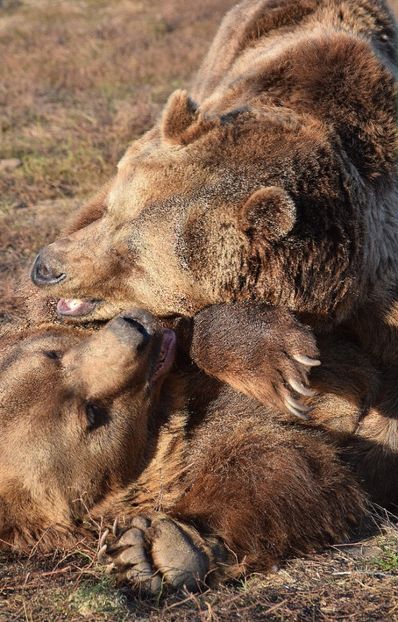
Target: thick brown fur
(184, 457)
(301, 108)
(274, 182)
(296, 107)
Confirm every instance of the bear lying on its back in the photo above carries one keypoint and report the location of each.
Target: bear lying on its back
(275, 183)
(73, 420)
(205, 481)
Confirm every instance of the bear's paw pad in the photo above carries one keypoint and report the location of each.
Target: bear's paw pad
(157, 552)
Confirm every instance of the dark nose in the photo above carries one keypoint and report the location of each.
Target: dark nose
(45, 272)
(140, 317)
(136, 325)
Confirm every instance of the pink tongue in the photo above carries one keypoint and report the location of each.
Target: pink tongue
(74, 306)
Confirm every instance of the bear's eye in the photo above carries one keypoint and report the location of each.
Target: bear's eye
(96, 415)
(52, 354)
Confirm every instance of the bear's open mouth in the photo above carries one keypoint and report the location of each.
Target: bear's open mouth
(76, 306)
(166, 354)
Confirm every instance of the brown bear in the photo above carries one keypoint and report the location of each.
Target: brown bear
(74, 414)
(274, 183)
(205, 481)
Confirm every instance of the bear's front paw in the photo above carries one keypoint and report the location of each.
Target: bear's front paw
(156, 552)
(274, 369)
(260, 350)
(283, 379)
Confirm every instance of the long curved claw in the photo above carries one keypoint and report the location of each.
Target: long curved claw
(297, 409)
(306, 360)
(301, 388)
(298, 413)
(296, 404)
(103, 538)
(102, 557)
(115, 527)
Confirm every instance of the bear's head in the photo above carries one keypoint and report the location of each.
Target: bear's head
(207, 208)
(74, 415)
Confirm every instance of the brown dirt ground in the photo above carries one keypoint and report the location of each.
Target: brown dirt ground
(78, 80)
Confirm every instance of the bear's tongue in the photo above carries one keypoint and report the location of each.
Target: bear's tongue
(75, 306)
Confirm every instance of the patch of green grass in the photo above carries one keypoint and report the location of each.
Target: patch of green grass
(59, 170)
(388, 561)
(100, 597)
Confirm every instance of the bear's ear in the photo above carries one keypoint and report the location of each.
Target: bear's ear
(179, 114)
(268, 215)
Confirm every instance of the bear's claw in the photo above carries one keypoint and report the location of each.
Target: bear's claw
(300, 388)
(294, 407)
(159, 551)
(306, 360)
(288, 379)
(103, 538)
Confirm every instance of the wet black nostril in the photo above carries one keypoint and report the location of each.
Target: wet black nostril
(43, 274)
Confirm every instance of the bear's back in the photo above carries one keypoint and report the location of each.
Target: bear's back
(257, 33)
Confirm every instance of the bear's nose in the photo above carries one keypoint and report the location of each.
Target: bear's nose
(142, 318)
(135, 328)
(46, 272)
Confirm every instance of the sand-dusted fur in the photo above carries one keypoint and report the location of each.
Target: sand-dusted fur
(204, 480)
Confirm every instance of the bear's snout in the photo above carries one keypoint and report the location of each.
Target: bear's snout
(46, 270)
(133, 328)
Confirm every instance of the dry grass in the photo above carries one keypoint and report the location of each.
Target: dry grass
(353, 582)
(78, 80)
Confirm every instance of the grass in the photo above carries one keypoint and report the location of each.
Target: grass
(79, 79)
(98, 598)
(352, 582)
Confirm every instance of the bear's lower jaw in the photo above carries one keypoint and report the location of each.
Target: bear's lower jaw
(75, 306)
